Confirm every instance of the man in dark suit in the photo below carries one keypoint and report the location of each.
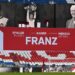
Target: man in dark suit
(62, 15)
(45, 13)
(71, 22)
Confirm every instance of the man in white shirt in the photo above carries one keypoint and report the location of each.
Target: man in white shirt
(31, 15)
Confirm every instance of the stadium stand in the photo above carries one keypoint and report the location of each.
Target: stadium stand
(36, 57)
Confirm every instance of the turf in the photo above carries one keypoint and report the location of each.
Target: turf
(14, 73)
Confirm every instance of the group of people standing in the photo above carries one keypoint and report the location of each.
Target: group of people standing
(36, 15)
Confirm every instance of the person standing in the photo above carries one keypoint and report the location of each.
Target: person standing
(71, 23)
(3, 20)
(31, 15)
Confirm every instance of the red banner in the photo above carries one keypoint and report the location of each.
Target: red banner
(38, 38)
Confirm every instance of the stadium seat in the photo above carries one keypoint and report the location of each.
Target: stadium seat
(36, 57)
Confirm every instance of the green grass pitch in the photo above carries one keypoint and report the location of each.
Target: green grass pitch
(36, 73)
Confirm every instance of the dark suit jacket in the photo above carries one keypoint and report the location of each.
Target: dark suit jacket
(70, 23)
